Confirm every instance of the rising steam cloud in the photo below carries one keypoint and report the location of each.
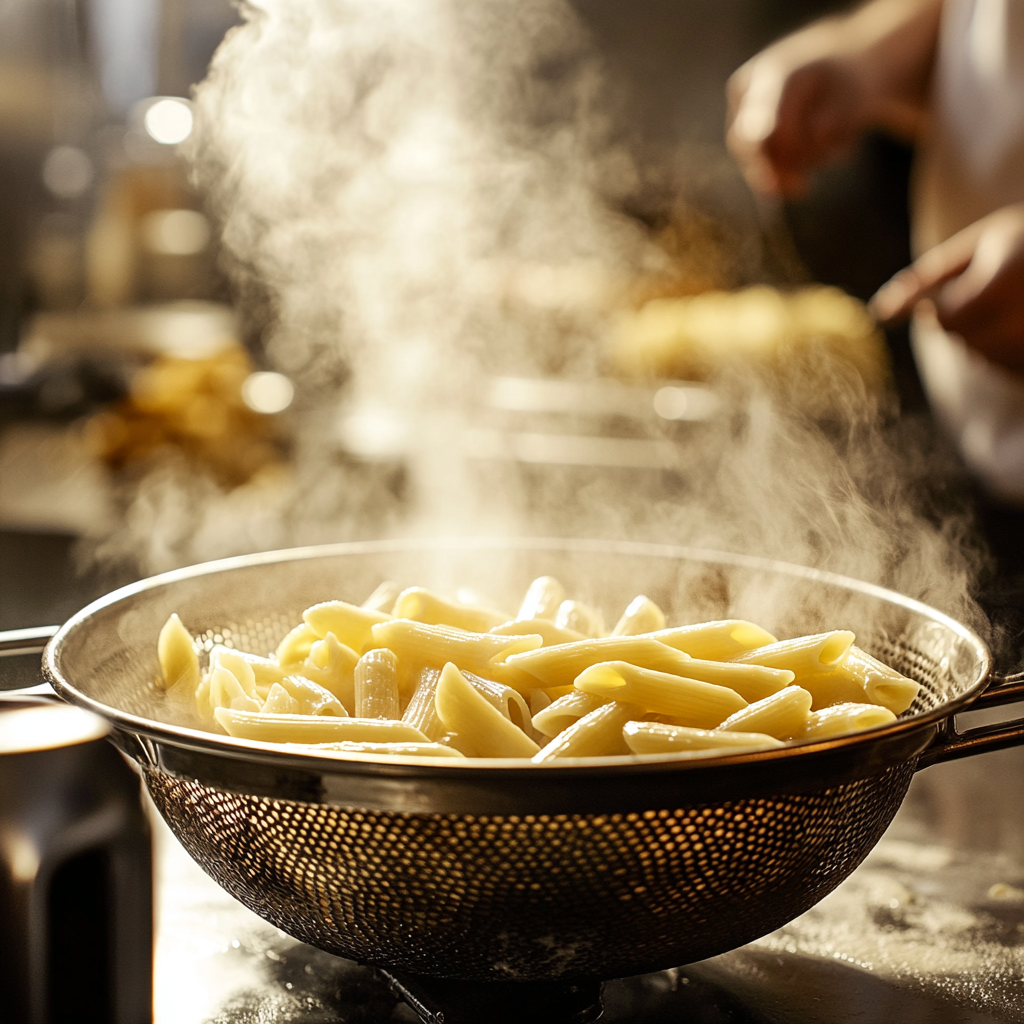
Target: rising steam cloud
(382, 171)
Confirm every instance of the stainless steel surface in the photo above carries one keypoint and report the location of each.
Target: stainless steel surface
(461, 872)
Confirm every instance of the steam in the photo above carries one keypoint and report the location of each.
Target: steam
(391, 178)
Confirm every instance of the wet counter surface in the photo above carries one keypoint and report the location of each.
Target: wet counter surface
(919, 934)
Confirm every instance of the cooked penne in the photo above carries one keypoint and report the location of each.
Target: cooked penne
(296, 645)
(565, 711)
(688, 701)
(782, 715)
(348, 622)
(383, 597)
(332, 665)
(237, 665)
(508, 701)
(423, 606)
(661, 738)
(544, 628)
(803, 656)
(420, 644)
(421, 712)
(882, 684)
(249, 725)
(597, 734)
(715, 641)
(227, 692)
(179, 663)
(376, 685)
(751, 682)
(845, 718)
(399, 749)
(280, 702)
(642, 615)
(542, 600)
(478, 728)
(311, 698)
(580, 617)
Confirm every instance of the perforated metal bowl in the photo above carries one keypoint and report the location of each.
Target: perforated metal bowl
(492, 870)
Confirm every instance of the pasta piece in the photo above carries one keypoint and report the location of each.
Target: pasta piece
(226, 693)
(376, 685)
(266, 671)
(580, 617)
(280, 702)
(597, 734)
(560, 665)
(312, 698)
(250, 725)
(348, 622)
(715, 641)
(661, 738)
(332, 665)
(835, 687)
(237, 665)
(882, 684)
(642, 615)
(566, 711)
(421, 712)
(688, 701)
(539, 700)
(782, 715)
(479, 729)
(383, 597)
(544, 628)
(751, 682)
(381, 749)
(423, 606)
(419, 644)
(296, 645)
(542, 599)
(845, 718)
(804, 655)
(179, 663)
(508, 701)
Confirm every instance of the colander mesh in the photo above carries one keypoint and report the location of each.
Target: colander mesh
(493, 897)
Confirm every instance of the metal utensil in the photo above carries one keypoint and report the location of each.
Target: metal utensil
(495, 871)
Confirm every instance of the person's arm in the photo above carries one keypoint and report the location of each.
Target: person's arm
(975, 281)
(808, 98)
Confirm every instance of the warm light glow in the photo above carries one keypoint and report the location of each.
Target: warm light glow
(46, 727)
(175, 232)
(169, 121)
(685, 403)
(67, 172)
(267, 392)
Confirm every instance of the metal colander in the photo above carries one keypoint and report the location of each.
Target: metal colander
(494, 870)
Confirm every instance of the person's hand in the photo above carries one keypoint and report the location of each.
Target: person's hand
(792, 108)
(975, 281)
(807, 99)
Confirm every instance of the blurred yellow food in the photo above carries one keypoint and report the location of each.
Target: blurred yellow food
(696, 336)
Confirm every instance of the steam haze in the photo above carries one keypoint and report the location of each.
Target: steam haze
(387, 174)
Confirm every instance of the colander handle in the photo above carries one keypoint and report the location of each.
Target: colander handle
(950, 744)
(18, 642)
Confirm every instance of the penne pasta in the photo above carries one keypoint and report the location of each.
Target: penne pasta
(296, 645)
(688, 701)
(662, 738)
(579, 617)
(642, 615)
(376, 685)
(544, 628)
(179, 663)
(280, 702)
(565, 711)
(845, 718)
(478, 728)
(237, 665)
(420, 644)
(751, 682)
(421, 712)
(399, 749)
(804, 656)
(423, 606)
(508, 701)
(597, 734)
(715, 641)
(311, 698)
(782, 715)
(226, 692)
(332, 665)
(881, 684)
(351, 624)
(304, 729)
(543, 597)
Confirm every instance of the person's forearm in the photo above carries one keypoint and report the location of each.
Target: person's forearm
(895, 42)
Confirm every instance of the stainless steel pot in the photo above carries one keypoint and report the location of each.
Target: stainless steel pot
(496, 871)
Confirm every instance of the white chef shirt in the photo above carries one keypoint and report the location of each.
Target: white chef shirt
(970, 164)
